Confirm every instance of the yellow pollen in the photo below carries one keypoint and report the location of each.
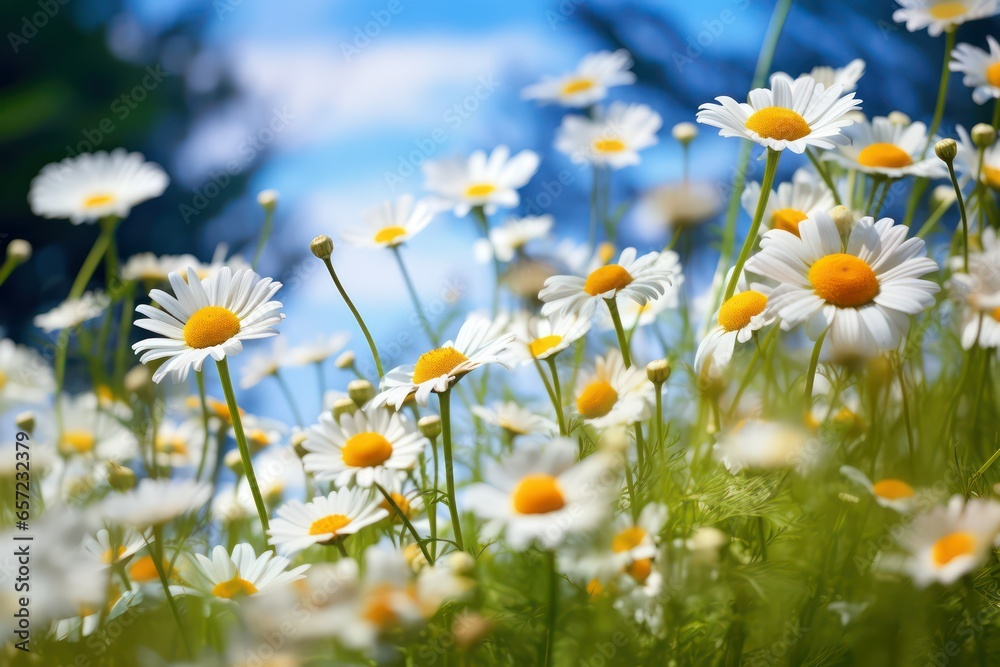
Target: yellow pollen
(574, 86)
(379, 609)
(737, 312)
(991, 176)
(628, 539)
(143, 570)
(234, 588)
(640, 569)
(606, 279)
(993, 75)
(892, 489)
(538, 494)
(480, 190)
(258, 438)
(389, 235)
(609, 145)
(778, 123)
(540, 346)
(93, 201)
(843, 280)
(366, 450)
(78, 442)
(436, 363)
(210, 326)
(172, 446)
(401, 502)
(951, 546)
(787, 219)
(947, 10)
(109, 556)
(605, 251)
(884, 156)
(329, 524)
(596, 399)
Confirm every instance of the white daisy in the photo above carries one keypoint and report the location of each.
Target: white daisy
(761, 445)
(150, 268)
(634, 543)
(438, 369)
(862, 293)
(155, 501)
(981, 69)
(967, 162)
(588, 84)
(90, 430)
(95, 185)
(490, 182)
(791, 203)
(111, 550)
(221, 259)
(612, 395)
(361, 446)
(884, 148)
(677, 206)
(267, 363)
(391, 224)
(635, 314)
(325, 519)
(539, 338)
(515, 419)
(321, 349)
(950, 541)
(889, 492)
(846, 77)
(73, 312)
(179, 445)
(790, 114)
(508, 239)
(640, 279)
(743, 314)
(940, 15)
(208, 317)
(979, 293)
(25, 376)
(242, 574)
(613, 139)
(541, 495)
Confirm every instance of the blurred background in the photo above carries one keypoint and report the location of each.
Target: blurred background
(336, 105)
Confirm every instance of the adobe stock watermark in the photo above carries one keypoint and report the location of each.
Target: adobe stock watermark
(32, 23)
(711, 31)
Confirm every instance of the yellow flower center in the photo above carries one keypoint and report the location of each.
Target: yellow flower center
(995, 313)
(737, 312)
(102, 199)
(379, 610)
(892, 489)
(258, 438)
(401, 502)
(606, 279)
(171, 446)
(843, 280)
(947, 10)
(388, 235)
(3, 379)
(366, 450)
(991, 176)
(78, 442)
(234, 588)
(210, 326)
(480, 189)
(538, 494)
(540, 346)
(609, 145)
(436, 363)
(331, 523)
(993, 75)
(640, 569)
(787, 219)
(951, 546)
(628, 539)
(109, 556)
(778, 123)
(596, 399)
(574, 86)
(884, 156)
(143, 570)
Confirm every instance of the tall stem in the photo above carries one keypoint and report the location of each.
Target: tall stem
(406, 521)
(265, 233)
(426, 323)
(357, 316)
(287, 391)
(961, 209)
(484, 225)
(825, 175)
(159, 555)
(811, 373)
(949, 44)
(770, 168)
(558, 390)
(98, 251)
(553, 610)
(444, 399)
(622, 338)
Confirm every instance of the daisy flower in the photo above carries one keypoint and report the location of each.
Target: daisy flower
(491, 182)
(940, 15)
(790, 114)
(588, 84)
(179, 445)
(634, 543)
(391, 224)
(846, 77)
(241, 574)
(791, 203)
(761, 445)
(884, 148)
(508, 239)
(221, 259)
(967, 161)
(325, 519)
(73, 312)
(981, 69)
(948, 542)
(25, 376)
(438, 369)
(515, 419)
(640, 279)
(889, 492)
(539, 338)
(862, 294)
(635, 314)
(95, 185)
(737, 320)
(112, 550)
(155, 502)
(541, 495)
(612, 139)
(612, 395)
(677, 206)
(267, 363)
(208, 317)
(979, 292)
(361, 446)
(89, 430)
(150, 268)
(408, 500)
(321, 349)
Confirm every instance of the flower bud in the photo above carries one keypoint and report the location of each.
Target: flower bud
(414, 557)
(843, 218)
(684, 133)
(120, 478)
(983, 135)
(139, 381)
(322, 246)
(899, 118)
(658, 371)
(298, 443)
(343, 406)
(360, 391)
(18, 251)
(345, 360)
(430, 427)
(946, 150)
(267, 199)
(26, 421)
(234, 462)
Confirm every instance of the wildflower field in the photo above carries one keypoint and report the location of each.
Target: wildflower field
(784, 456)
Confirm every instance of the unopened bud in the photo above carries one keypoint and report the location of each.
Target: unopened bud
(983, 135)
(685, 133)
(658, 371)
(343, 406)
(25, 421)
(843, 218)
(360, 391)
(267, 199)
(345, 360)
(18, 251)
(234, 462)
(139, 380)
(946, 150)
(322, 246)
(430, 427)
(120, 478)
(899, 118)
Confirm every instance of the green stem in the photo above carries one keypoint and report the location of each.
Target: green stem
(949, 44)
(7, 268)
(287, 391)
(996, 113)
(622, 339)
(158, 558)
(484, 225)
(124, 326)
(558, 390)
(553, 609)
(811, 373)
(200, 379)
(961, 210)
(432, 506)
(90, 264)
(265, 234)
(933, 219)
(406, 521)
(825, 175)
(881, 199)
(770, 169)
(357, 316)
(444, 399)
(426, 323)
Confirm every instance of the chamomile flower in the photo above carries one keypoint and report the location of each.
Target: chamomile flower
(612, 395)
(327, 518)
(887, 149)
(640, 279)
(981, 69)
(208, 317)
(761, 445)
(790, 114)
(634, 543)
(95, 185)
(508, 239)
(361, 446)
(25, 377)
(438, 369)
(112, 549)
(678, 206)
(863, 294)
(948, 542)
(319, 350)
(73, 312)
(221, 259)
(979, 292)
(738, 319)
(265, 364)
(155, 502)
(847, 76)
(940, 15)
(491, 182)
(90, 431)
(241, 574)
(150, 268)
(391, 224)
(515, 419)
(613, 139)
(634, 314)
(540, 494)
(588, 84)
(179, 444)
(791, 203)
(888, 492)
(539, 338)
(967, 162)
